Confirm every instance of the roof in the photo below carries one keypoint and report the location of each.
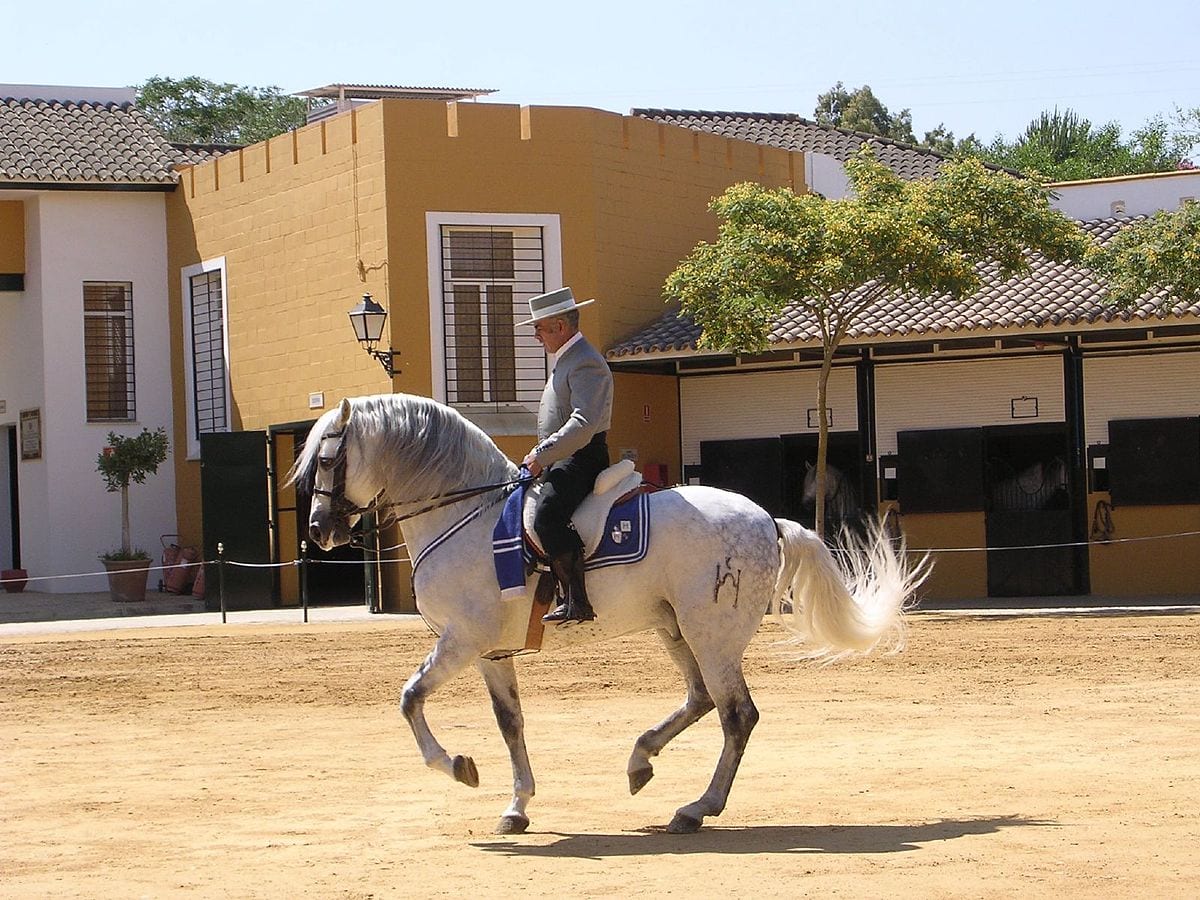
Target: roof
(51, 142)
(1051, 295)
(194, 154)
(793, 132)
(391, 92)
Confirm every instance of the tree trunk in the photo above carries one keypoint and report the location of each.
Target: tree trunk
(126, 549)
(822, 435)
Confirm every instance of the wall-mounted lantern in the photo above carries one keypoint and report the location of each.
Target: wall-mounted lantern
(367, 320)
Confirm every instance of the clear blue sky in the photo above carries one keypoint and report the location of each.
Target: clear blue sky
(986, 68)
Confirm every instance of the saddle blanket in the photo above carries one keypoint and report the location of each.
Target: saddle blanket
(624, 541)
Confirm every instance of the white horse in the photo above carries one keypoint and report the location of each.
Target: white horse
(714, 562)
(841, 506)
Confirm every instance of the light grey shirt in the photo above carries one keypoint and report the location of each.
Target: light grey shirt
(576, 404)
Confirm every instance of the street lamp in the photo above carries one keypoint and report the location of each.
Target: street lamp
(367, 320)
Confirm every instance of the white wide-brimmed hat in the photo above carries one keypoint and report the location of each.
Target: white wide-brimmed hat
(555, 303)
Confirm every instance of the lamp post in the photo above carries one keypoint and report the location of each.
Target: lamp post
(367, 320)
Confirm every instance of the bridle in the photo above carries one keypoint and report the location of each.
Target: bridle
(342, 508)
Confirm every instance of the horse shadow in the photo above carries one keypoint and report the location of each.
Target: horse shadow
(756, 839)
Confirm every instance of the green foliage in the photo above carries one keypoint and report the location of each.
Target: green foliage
(136, 553)
(196, 110)
(834, 258)
(131, 459)
(1159, 254)
(1061, 146)
(861, 110)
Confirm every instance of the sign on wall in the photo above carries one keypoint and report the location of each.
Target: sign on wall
(31, 434)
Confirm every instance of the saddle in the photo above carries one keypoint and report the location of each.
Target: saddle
(614, 485)
(590, 518)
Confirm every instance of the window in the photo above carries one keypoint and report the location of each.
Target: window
(206, 367)
(489, 272)
(108, 350)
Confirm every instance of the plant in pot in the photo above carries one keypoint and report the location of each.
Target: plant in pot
(124, 461)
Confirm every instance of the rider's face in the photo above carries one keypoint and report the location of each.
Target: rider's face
(551, 333)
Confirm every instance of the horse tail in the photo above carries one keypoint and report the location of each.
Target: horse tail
(848, 606)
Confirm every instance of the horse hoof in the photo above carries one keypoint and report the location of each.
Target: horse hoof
(512, 824)
(638, 779)
(682, 824)
(465, 771)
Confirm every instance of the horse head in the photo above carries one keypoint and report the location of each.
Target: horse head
(326, 469)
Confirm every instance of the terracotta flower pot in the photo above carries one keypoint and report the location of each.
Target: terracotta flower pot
(13, 580)
(127, 579)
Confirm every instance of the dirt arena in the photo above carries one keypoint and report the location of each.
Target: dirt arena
(993, 758)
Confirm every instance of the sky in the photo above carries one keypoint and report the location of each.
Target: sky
(982, 68)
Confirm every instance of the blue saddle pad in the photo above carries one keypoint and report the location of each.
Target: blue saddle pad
(625, 540)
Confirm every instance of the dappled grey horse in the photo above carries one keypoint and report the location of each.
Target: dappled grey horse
(714, 563)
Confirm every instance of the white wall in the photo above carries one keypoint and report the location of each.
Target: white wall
(963, 394)
(826, 176)
(1141, 195)
(1163, 385)
(67, 518)
(760, 404)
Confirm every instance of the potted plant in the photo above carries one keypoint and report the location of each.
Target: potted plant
(126, 460)
(13, 580)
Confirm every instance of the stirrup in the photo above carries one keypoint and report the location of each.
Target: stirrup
(563, 613)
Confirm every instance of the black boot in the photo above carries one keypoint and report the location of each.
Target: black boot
(568, 570)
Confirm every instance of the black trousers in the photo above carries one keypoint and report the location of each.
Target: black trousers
(567, 482)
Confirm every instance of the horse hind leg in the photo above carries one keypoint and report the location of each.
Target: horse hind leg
(447, 659)
(727, 686)
(697, 705)
(500, 676)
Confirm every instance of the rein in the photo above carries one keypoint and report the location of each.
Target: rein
(342, 507)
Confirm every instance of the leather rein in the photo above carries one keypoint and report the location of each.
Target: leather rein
(342, 507)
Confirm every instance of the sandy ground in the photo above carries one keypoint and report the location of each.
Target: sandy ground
(993, 758)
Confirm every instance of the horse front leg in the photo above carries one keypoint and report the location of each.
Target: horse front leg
(447, 659)
(500, 676)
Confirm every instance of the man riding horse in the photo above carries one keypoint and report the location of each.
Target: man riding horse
(572, 449)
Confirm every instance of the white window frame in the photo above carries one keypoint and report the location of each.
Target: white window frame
(511, 418)
(186, 275)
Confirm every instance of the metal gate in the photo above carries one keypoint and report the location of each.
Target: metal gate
(233, 497)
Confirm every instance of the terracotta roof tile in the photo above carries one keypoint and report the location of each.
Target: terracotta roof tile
(1050, 294)
(792, 132)
(55, 142)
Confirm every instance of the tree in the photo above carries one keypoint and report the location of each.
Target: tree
(1158, 255)
(194, 110)
(833, 260)
(861, 110)
(125, 460)
(1062, 146)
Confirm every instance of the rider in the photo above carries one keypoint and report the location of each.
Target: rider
(573, 421)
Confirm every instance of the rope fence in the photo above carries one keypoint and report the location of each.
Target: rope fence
(303, 562)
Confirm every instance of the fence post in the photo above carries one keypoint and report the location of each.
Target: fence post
(304, 577)
(221, 577)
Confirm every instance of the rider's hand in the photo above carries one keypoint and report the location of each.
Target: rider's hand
(530, 462)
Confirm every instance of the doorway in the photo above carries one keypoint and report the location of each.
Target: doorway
(1031, 501)
(10, 503)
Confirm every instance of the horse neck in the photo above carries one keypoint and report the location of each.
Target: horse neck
(485, 465)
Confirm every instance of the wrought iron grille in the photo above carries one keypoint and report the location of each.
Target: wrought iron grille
(488, 275)
(208, 353)
(108, 351)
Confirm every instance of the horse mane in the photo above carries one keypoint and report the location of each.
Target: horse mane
(419, 448)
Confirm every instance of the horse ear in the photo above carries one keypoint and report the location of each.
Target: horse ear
(807, 466)
(344, 411)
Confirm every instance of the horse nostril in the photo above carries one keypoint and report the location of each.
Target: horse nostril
(314, 532)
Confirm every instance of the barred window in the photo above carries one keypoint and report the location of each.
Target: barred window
(206, 299)
(108, 350)
(488, 275)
